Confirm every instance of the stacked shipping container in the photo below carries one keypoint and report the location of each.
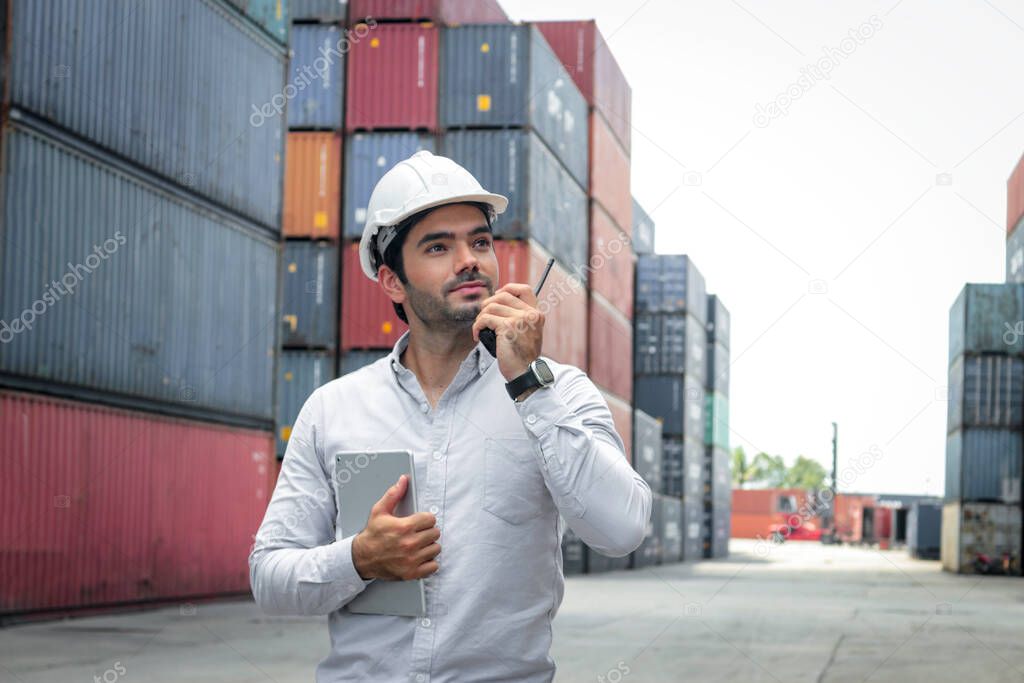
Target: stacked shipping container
(670, 367)
(159, 209)
(717, 478)
(312, 207)
(981, 519)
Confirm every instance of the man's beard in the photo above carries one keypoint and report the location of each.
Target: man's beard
(437, 313)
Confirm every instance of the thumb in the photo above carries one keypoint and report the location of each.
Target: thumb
(387, 503)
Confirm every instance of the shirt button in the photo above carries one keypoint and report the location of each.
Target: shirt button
(531, 418)
(420, 678)
(437, 455)
(433, 509)
(424, 407)
(425, 623)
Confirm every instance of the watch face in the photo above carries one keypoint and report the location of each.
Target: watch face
(543, 372)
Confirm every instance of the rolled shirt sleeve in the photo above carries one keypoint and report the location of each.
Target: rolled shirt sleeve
(296, 566)
(584, 464)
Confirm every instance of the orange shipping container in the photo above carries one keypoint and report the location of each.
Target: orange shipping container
(612, 262)
(609, 173)
(312, 189)
(611, 348)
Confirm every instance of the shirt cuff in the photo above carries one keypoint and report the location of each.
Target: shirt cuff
(340, 569)
(542, 410)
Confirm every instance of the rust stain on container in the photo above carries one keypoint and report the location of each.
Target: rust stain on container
(312, 191)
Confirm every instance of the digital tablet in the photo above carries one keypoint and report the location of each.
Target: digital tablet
(360, 479)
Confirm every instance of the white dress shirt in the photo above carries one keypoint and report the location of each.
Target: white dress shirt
(502, 479)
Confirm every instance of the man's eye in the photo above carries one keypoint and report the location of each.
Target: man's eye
(434, 246)
(483, 241)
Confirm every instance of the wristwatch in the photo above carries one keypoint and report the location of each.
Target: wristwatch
(537, 375)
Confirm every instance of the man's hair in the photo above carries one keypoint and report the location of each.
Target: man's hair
(393, 254)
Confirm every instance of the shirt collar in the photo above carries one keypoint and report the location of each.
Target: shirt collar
(479, 355)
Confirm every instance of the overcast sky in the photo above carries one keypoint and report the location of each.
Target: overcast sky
(839, 232)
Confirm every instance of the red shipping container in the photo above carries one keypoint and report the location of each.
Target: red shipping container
(448, 12)
(611, 348)
(1015, 197)
(581, 48)
(622, 416)
(312, 185)
(612, 262)
(609, 174)
(100, 506)
(368, 318)
(392, 79)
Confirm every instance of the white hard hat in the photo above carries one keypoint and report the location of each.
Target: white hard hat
(420, 182)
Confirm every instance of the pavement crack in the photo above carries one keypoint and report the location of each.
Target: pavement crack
(831, 659)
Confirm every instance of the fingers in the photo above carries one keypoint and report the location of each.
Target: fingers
(490, 320)
(502, 310)
(387, 503)
(521, 291)
(427, 536)
(425, 570)
(507, 298)
(428, 553)
(419, 521)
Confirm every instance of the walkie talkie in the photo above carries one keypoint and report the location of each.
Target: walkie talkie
(487, 335)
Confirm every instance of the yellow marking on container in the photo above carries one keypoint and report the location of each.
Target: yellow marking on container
(292, 320)
(288, 376)
(483, 102)
(485, 47)
(320, 220)
(374, 42)
(386, 327)
(293, 267)
(286, 432)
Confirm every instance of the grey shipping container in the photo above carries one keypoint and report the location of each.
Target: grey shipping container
(574, 553)
(718, 369)
(677, 400)
(986, 391)
(721, 476)
(299, 373)
(720, 528)
(326, 11)
(670, 283)
(643, 230)
(317, 77)
(670, 343)
(924, 530)
(648, 553)
(270, 15)
(987, 318)
(647, 448)
(544, 202)
(984, 465)
(1015, 257)
(309, 313)
(353, 360)
(501, 75)
(671, 529)
(598, 563)
(693, 517)
(174, 302)
(973, 530)
(718, 321)
(368, 156)
(185, 88)
(682, 468)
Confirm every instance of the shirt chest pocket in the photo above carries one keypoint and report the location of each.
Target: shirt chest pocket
(514, 488)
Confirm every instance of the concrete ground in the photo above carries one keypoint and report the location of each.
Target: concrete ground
(797, 612)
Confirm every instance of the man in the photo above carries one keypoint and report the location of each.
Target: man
(504, 458)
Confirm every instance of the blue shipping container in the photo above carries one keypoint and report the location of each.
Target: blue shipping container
(670, 343)
(150, 296)
(643, 230)
(317, 77)
(670, 283)
(368, 156)
(325, 11)
(984, 465)
(299, 374)
(987, 318)
(718, 321)
(353, 360)
(544, 202)
(718, 369)
(186, 88)
(647, 448)
(986, 391)
(501, 75)
(309, 313)
(677, 400)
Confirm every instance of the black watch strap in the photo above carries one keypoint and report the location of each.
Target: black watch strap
(525, 381)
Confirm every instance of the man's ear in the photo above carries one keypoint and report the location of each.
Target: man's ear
(391, 284)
